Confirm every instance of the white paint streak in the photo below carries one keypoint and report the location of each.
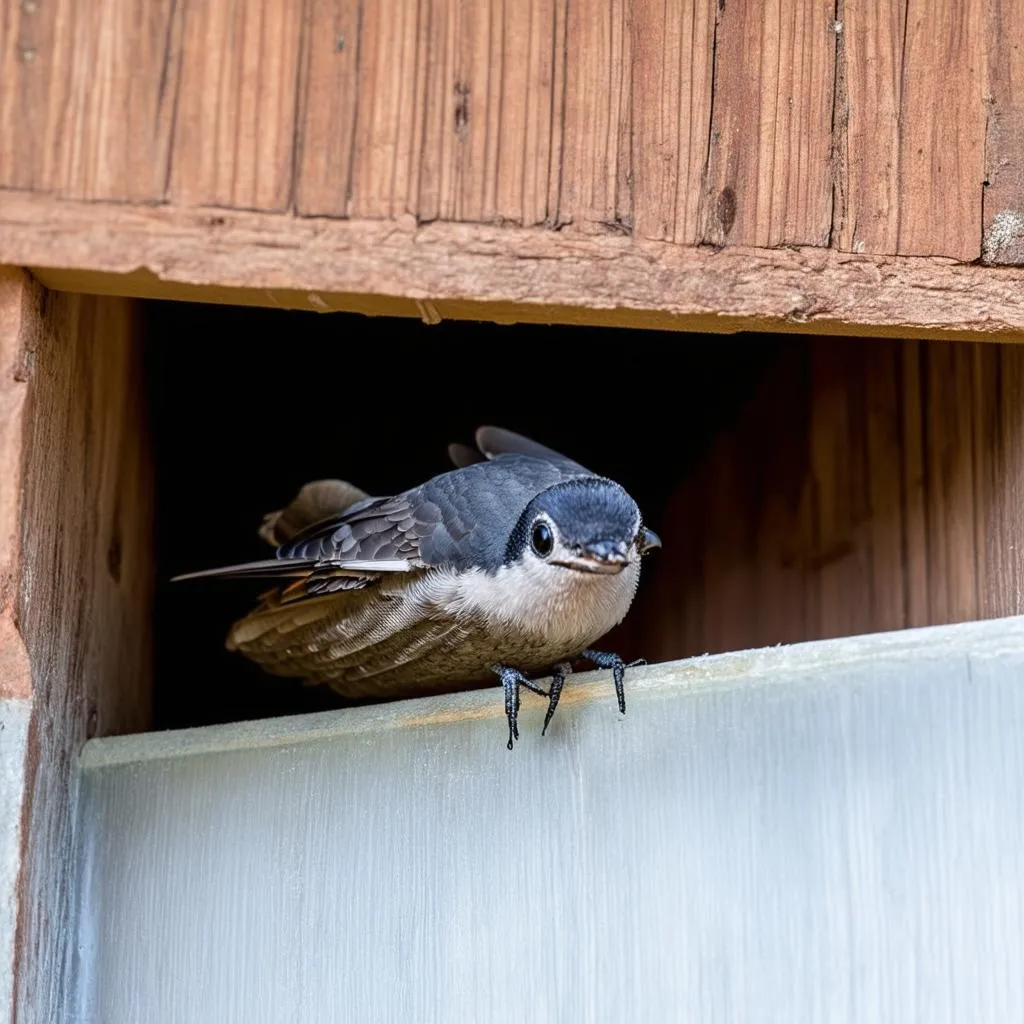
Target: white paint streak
(1004, 237)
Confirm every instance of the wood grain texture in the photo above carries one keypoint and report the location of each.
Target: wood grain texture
(942, 138)
(513, 274)
(810, 122)
(235, 117)
(672, 78)
(595, 180)
(83, 594)
(87, 95)
(868, 487)
(436, 110)
(338, 51)
(1003, 212)
(18, 328)
(869, 79)
(769, 175)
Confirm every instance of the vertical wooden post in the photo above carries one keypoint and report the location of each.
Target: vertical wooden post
(75, 599)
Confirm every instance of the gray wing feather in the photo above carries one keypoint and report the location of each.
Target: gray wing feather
(462, 455)
(496, 441)
(315, 502)
(461, 519)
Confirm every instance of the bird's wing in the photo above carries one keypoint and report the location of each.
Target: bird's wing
(492, 442)
(347, 551)
(462, 455)
(314, 503)
(495, 441)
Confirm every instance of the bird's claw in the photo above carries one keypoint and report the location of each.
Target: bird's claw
(605, 660)
(558, 675)
(511, 679)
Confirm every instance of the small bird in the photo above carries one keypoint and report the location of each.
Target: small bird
(514, 562)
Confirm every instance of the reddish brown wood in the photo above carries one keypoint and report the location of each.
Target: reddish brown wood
(235, 115)
(858, 125)
(769, 179)
(87, 96)
(473, 271)
(18, 328)
(867, 125)
(942, 128)
(76, 579)
(671, 83)
(1003, 213)
(867, 487)
(594, 173)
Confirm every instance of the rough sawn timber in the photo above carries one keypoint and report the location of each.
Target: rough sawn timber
(444, 270)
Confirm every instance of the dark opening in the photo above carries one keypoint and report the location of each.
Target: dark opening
(249, 404)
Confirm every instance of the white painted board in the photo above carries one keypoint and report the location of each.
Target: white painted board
(826, 832)
(15, 719)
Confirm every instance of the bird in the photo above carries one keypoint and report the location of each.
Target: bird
(514, 562)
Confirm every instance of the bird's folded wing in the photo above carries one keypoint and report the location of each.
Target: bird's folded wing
(297, 568)
(347, 551)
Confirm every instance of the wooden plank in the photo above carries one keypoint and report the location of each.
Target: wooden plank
(673, 46)
(870, 78)
(532, 274)
(328, 104)
(18, 326)
(235, 125)
(942, 128)
(769, 178)
(83, 588)
(882, 493)
(588, 114)
(447, 110)
(394, 53)
(87, 97)
(594, 175)
(1003, 211)
(16, 293)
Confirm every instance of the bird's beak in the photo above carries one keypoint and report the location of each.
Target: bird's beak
(647, 541)
(605, 556)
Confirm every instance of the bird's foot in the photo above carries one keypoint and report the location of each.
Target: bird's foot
(511, 679)
(558, 674)
(604, 660)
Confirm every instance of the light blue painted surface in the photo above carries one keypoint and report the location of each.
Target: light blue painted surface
(15, 719)
(827, 832)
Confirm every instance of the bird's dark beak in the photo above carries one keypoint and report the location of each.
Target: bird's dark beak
(647, 541)
(605, 555)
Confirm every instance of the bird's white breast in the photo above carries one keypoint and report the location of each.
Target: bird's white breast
(561, 607)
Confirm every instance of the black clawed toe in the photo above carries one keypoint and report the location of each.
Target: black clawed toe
(557, 682)
(605, 660)
(511, 679)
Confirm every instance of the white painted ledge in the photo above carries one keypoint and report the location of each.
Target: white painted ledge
(831, 831)
(15, 716)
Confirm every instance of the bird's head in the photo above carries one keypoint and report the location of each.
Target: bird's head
(588, 525)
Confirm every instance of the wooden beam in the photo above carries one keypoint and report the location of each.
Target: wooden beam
(753, 122)
(76, 581)
(446, 270)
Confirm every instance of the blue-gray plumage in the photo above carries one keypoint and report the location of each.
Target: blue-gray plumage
(514, 562)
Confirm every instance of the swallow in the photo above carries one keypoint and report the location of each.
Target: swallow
(515, 562)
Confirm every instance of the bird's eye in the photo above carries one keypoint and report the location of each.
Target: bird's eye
(542, 539)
